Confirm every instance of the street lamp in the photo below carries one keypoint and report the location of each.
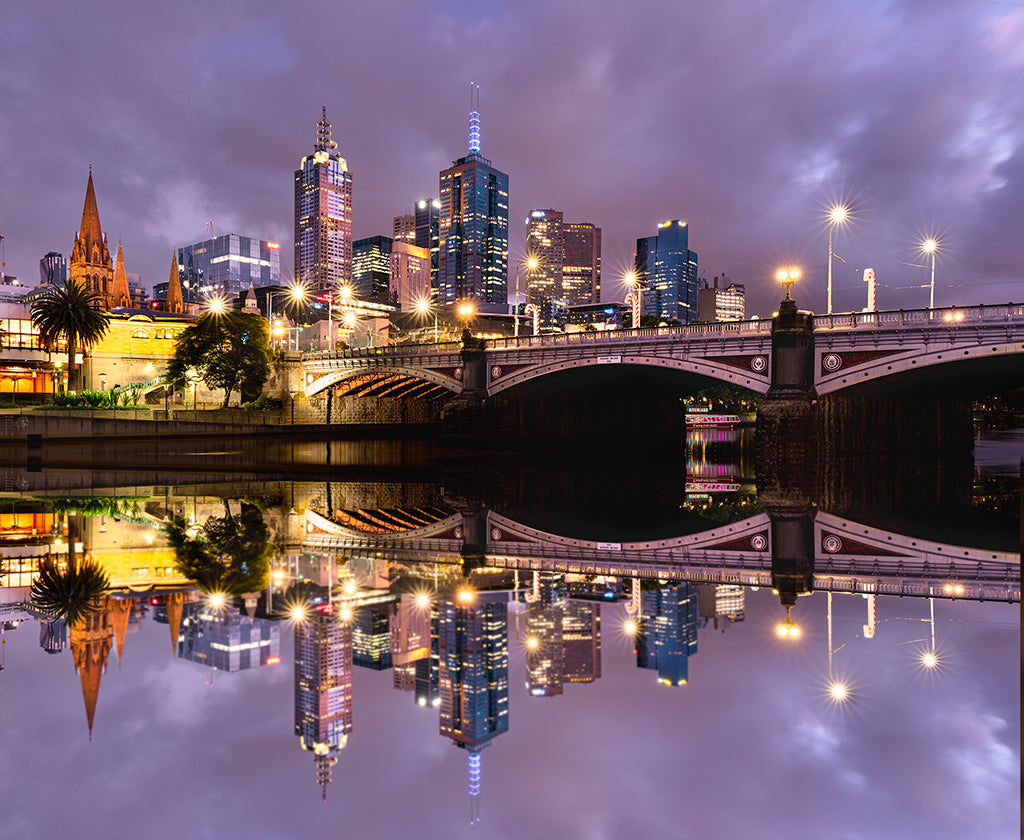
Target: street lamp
(216, 305)
(929, 246)
(531, 264)
(787, 277)
(837, 215)
(466, 310)
(631, 278)
(297, 292)
(195, 377)
(424, 308)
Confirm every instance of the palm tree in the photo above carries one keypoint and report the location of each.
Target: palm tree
(73, 593)
(75, 312)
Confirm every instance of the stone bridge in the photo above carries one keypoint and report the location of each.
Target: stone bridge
(831, 554)
(828, 353)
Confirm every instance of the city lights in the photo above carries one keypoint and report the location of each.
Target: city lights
(837, 215)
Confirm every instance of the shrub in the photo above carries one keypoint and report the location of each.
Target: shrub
(264, 403)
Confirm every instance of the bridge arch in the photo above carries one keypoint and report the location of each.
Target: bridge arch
(755, 379)
(318, 382)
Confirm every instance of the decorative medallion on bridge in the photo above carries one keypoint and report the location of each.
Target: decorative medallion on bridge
(457, 532)
(834, 544)
(750, 542)
(497, 534)
(758, 363)
(499, 371)
(831, 362)
(496, 372)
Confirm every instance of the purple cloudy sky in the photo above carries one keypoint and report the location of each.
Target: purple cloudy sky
(746, 119)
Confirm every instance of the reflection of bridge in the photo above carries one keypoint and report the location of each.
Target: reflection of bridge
(846, 350)
(845, 556)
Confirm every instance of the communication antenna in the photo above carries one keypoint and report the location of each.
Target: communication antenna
(324, 143)
(474, 119)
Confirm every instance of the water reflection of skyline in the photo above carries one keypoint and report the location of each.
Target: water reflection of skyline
(574, 623)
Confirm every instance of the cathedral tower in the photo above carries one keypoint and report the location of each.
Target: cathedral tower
(90, 261)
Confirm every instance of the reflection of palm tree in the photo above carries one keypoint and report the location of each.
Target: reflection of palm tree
(229, 554)
(75, 312)
(73, 593)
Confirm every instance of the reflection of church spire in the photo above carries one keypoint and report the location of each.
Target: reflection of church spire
(90, 646)
(175, 602)
(120, 609)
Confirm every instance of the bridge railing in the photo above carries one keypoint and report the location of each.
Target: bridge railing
(391, 351)
(950, 316)
(724, 329)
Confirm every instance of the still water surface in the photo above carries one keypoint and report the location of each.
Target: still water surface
(589, 739)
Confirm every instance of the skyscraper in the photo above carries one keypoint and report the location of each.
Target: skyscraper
(426, 216)
(473, 227)
(568, 260)
(722, 301)
(323, 688)
(371, 268)
(581, 268)
(403, 229)
(667, 632)
(228, 264)
(666, 271)
(323, 215)
(410, 275)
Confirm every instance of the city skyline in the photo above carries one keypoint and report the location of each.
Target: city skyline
(911, 114)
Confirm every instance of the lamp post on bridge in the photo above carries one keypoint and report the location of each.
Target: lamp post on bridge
(531, 264)
(837, 215)
(930, 246)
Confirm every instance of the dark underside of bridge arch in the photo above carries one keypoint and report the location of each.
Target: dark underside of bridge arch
(969, 379)
(394, 385)
(632, 404)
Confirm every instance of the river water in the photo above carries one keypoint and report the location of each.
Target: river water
(453, 698)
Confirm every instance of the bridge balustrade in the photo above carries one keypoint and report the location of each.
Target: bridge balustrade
(724, 328)
(952, 316)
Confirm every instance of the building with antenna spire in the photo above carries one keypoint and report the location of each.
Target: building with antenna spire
(473, 225)
(323, 215)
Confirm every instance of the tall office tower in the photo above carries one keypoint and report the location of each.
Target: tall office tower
(91, 264)
(323, 216)
(666, 271)
(473, 227)
(581, 641)
(229, 263)
(371, 637)
(473, 657)
(409, 627)
(428, 669)
(53, 269)
(545, 652)
(667, 634)
(721, 301)
(581, 267)
(410, 275)
(371, 268)
(545, 240)
(426, 216)
(404, 229)
(226, 639)
(323, 688)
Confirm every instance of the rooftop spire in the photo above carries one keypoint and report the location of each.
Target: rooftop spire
(474, 119)
(90, 232)
(120, 294)
(175, 302)
(324, 143)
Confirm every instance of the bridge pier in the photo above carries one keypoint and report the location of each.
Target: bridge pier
(787, 452)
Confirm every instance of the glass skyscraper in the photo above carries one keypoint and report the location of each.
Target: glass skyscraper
(323, 216)
(426, 222)
(473, 228)
(667, 632)
(371, 268)
(666, 270)
(228, 264)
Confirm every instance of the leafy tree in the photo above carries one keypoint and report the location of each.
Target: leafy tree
(229, 554)
(229, 351)
(75, 312)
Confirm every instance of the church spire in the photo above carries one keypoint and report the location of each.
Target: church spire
(174, 302)
(90, 647)
(90, 232)
(175, 602)
(120, 294)
(120, 609)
